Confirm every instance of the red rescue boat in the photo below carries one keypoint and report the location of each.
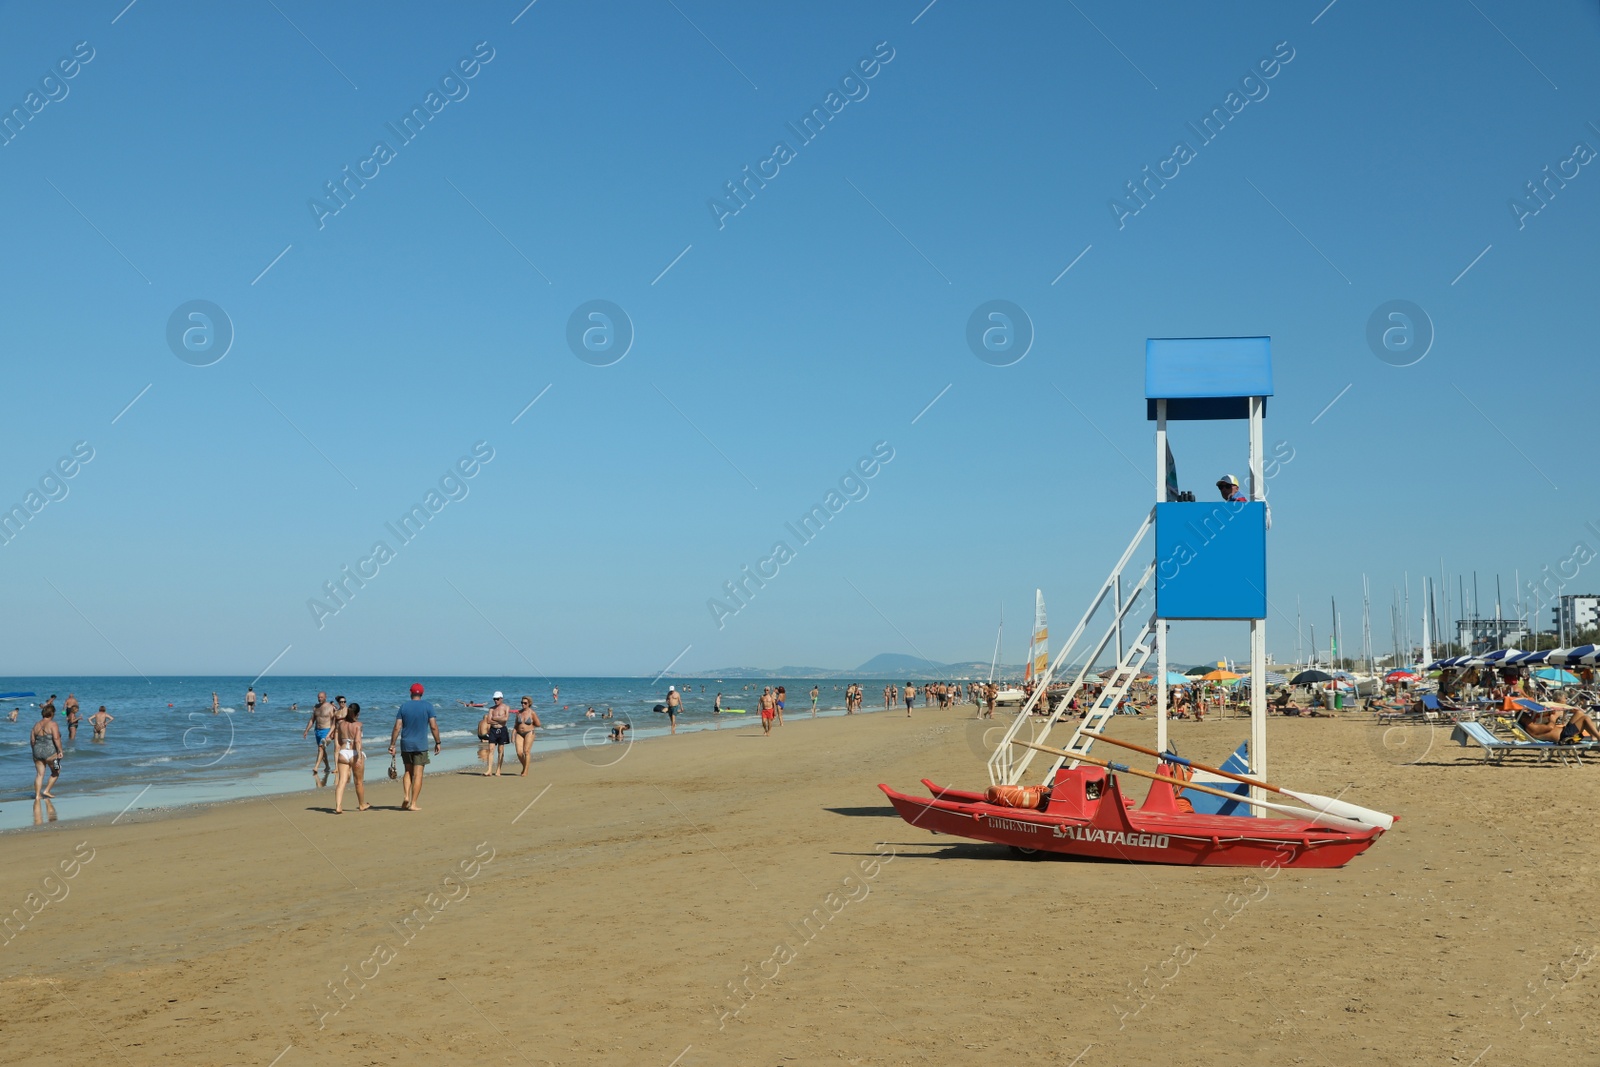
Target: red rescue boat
(1084, 813)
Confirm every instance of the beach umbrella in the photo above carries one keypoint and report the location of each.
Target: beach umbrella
(1306, 677)
(1219, 676)
(1557, 675)
(1399, 676)
(1173, 678)
(1522, 659)
(1499, 657)
(1195, 672)
(1582, 656)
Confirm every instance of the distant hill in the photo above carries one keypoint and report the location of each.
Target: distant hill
(894, 664)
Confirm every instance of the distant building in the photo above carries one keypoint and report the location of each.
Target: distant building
(1485, 635)
(1576, 611)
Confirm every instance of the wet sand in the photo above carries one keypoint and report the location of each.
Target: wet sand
(725, 898)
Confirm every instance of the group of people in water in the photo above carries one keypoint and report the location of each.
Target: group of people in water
(45, 742)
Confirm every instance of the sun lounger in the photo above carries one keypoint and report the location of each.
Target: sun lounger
(1496, 749)
(1426, 708)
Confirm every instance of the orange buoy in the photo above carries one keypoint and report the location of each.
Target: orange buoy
(1015, 796)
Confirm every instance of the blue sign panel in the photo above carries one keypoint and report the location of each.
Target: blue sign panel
(1211, 560)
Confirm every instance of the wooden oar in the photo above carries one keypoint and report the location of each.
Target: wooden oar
(1341, 808)
(1316, 817)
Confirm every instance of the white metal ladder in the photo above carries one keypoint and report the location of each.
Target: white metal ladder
(1010, 762)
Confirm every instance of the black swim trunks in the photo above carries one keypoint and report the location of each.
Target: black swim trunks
(499, 735)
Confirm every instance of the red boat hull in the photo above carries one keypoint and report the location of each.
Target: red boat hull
(1087, 815)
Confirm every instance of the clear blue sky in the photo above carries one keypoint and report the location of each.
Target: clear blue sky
(819, 320)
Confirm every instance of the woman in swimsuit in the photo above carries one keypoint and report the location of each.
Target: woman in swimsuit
(527, 720)
(352, 761)
(45, 740)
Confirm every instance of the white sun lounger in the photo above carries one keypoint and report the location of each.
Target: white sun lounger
(1496, 749)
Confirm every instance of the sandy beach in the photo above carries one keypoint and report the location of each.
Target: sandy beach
(724, 898)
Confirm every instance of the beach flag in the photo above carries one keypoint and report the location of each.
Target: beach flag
(1172, 474)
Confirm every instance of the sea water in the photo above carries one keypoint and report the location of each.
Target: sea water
(165, 747)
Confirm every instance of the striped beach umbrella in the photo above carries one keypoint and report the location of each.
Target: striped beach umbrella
(1526, 658)
(1582, 656)
(1499, 657)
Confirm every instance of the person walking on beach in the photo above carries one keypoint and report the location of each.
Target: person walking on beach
(674, 705)
(767, 710)
(412, 724)
(716, 705)
(814, 692)
(499, 736)
(45, 741)
(70, 706)
(911, 698)
(250, 700)
(485, 750)
(527, 721)
(98, 721)
(777, 702)
(321, 720)
(352, 760)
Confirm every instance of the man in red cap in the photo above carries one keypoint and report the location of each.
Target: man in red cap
(411, 726)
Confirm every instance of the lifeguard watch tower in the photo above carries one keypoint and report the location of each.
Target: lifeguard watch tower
(1210, 559)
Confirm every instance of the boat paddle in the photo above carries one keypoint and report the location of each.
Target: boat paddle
(1318, 818)
(1332, 806)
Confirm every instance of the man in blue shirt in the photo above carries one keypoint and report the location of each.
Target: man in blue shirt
(411, 727)
(1229, 487)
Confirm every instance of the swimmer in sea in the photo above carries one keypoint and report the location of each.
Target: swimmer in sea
(98, 721)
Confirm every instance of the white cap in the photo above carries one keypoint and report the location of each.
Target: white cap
(499, 695)
(672, 689)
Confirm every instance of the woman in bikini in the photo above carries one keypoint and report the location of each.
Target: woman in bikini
(45, 740)
(527, 720)
(352, 761)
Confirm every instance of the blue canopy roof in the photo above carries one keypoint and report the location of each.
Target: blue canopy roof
(1206, 377)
